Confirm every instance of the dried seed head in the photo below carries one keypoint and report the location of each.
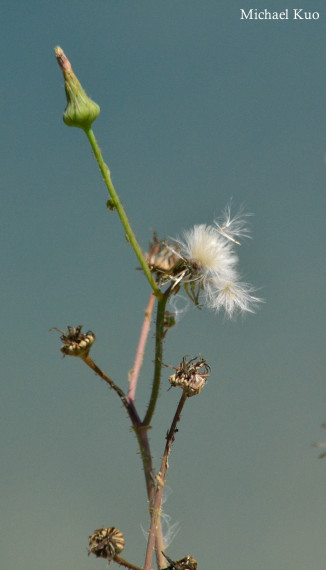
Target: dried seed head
(76, 343)
(106, 543)
(188, 376)
(161, 258)
(187, 563)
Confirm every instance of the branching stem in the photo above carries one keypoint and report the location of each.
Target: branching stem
(141, 432)
(156, 509)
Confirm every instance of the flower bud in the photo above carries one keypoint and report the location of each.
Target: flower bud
(106, 543)
(81, 111)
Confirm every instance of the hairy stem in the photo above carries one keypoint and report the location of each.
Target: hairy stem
(141, 432)
(158, 357)
(88, 360)
(126, 564)
(140, 349)
(156, 509)
(120, 209)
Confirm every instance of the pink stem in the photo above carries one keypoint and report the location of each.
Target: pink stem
(140, 349)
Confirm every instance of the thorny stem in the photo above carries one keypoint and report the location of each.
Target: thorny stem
(158, 357)
(140, 349)
(156, 509)
(120, 209)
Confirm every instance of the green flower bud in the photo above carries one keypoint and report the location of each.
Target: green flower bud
(81, 111)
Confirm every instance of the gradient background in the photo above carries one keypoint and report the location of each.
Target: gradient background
(197, 107)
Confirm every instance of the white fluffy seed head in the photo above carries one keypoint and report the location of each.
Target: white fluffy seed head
(208, 257)
(205, 246)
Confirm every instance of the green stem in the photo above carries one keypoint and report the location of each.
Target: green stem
(158, 357)
(120, 209)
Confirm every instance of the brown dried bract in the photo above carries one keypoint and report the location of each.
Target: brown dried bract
(106, 543)
(188, 376)
(76, 343)
(187, 563)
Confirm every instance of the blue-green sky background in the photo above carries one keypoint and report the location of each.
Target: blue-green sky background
(198, 107)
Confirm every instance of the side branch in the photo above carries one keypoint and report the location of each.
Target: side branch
(126, 564)
(139, 428)
(128, 405)
(158, 357)
(140, 349)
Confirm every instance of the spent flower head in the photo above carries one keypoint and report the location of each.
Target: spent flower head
(191, 376)
(76, 343)
(106, 543)
(160, 256)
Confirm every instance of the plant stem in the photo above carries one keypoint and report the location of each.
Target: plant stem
(156, 509)
(140, 349)
(126, 564)
(142, 437)
(158, 357)
(88, 360)
(141, 432)
(120, 209)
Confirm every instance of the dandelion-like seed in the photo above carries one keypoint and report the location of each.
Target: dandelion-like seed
(106, 543)
(206, 263)
(321, 445)
(230, 295)
(76, 343)
(234, 227)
